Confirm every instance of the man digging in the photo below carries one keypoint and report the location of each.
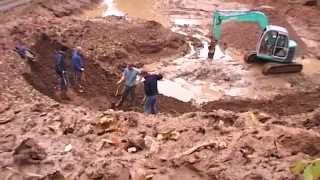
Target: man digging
(129, 75)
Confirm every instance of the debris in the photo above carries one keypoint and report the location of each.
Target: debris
(6, 120)
(261, 117)
(29, 152)
(24, 174)
(171, 135)
(152, 144)
(107, 121)
(68, 148)
(112, 141)
(132, 150)
(202, 145)
(54, 176)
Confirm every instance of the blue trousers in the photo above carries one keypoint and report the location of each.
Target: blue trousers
(77, 77)
(150, 106)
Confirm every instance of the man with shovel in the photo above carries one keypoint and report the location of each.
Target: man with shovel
(129, 75)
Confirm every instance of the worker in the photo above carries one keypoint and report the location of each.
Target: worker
(129, 75)
(151, 91)
(60, 69)
(211, 49)
(78, 66)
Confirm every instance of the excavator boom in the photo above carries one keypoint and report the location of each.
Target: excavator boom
(221, 16)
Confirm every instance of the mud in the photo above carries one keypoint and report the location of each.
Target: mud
(104, 64)
(45, 137)
(280, 105)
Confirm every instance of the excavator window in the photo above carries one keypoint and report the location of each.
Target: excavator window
(268, 43)
(281, 49)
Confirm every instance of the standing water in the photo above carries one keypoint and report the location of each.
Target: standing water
(112, 9)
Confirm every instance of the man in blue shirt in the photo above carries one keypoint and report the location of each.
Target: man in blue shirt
(129, 75)
(151, 91)
(60, 69)
(78, 65)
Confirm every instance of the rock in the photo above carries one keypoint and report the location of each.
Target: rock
(54, 176)
(121, 53)
(4, 107)
(138, 143)
(261, 117)
(68, 148)
(107, 120)
(7, 142)
(132, 150)
(132, 121)
(150, 46)
(39, 107)
(29, 152)
(5, 120)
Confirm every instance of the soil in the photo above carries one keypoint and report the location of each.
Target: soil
(280, 105)
(44, 135)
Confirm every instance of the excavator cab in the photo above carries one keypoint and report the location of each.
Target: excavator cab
(274, 44)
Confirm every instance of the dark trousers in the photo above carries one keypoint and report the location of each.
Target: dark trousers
(77, 77)
(63, 80)
(150, 105)
(128, 92)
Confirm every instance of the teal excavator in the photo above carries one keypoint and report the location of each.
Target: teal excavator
(274, 46)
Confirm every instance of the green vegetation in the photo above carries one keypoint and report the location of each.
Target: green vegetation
(310, 169)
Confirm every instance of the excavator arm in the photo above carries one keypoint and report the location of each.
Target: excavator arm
(221, 16)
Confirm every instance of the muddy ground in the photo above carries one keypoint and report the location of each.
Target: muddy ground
(81, 136)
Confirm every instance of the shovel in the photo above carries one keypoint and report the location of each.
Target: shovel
(117, 91)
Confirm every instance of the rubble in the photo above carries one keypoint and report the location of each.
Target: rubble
(82, 138)
(29, 152)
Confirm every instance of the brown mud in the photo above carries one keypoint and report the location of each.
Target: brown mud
(282, 105)
(45, 137)
(104, 62)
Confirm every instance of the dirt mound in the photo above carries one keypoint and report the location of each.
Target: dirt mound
(280, 105)
(112, 41)
(196, 145)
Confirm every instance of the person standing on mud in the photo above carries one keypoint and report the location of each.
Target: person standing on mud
(61, 70)
(129, 75)
(151, 91)
(78, 66)
(211, 49)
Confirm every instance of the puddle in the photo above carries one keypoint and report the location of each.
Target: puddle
(143, 9)
(112, 9)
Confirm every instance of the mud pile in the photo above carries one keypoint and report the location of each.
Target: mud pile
(282, 105)
(45, 137)
(77, 143)
(108, 44)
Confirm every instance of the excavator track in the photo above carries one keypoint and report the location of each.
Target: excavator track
(277, 68)
(250, 57)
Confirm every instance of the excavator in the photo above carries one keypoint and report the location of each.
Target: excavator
(274, 46)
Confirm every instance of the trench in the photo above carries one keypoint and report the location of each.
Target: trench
(99, 85)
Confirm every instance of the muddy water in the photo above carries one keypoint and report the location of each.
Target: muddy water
(193, 77)
(143, 9)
